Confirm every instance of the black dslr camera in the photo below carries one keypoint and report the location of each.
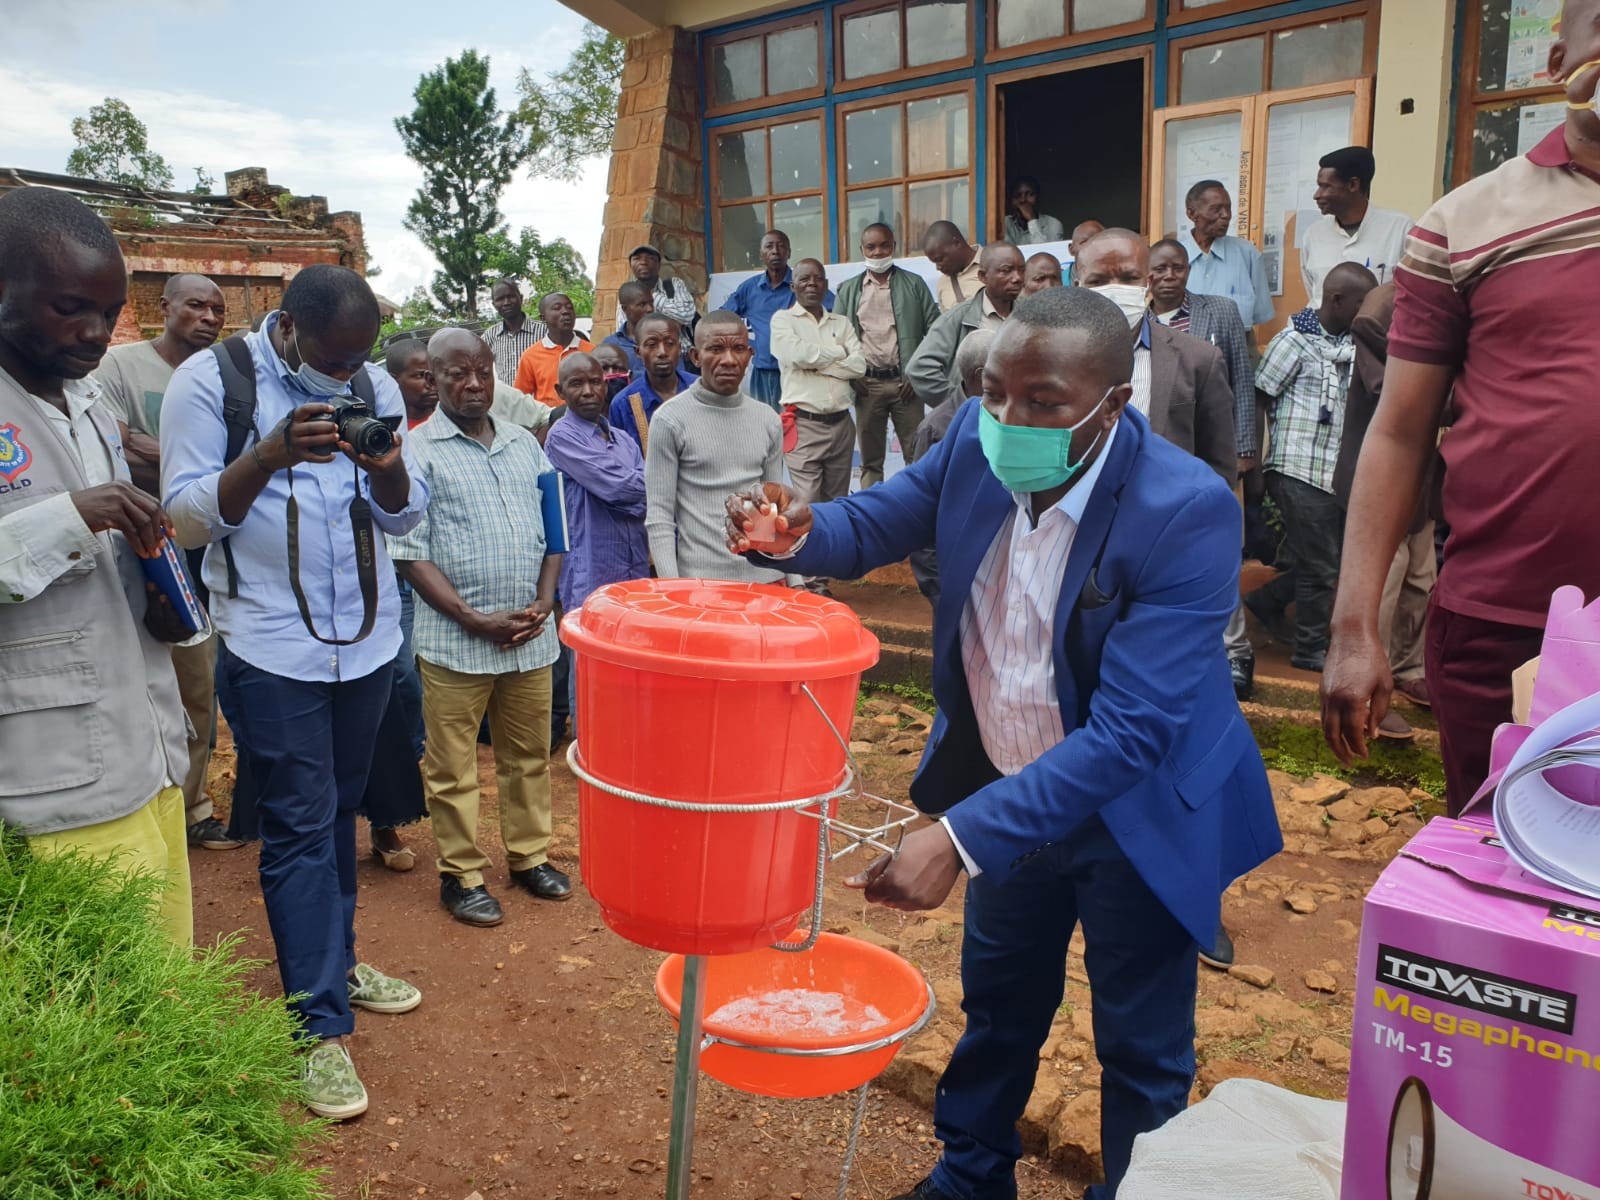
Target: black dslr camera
(368, 433)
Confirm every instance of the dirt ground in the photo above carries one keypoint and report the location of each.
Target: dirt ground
(540, 1063)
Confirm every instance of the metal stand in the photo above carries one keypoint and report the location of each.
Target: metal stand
(686, 1078)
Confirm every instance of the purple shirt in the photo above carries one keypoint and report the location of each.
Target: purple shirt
(605, 507)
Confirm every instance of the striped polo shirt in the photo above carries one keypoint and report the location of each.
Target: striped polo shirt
(1500, 282)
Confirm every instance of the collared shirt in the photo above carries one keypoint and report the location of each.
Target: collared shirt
(605, 507)
(43, 541)
(510, 345)
(1141, 370)
(622, 403)
(1008, 625)
(623, 340)
(679, 305)
(880, 342)
(756, 300)
(1377, 244)
(541, 367)
(1041, 229)
(1498, 284)
(483, 530)
(1309, 376)
(952, 292)
(819, 357)
(1177, 318)
(1234, 268)
(262, 623)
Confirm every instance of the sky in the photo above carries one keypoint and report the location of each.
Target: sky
(307, 90)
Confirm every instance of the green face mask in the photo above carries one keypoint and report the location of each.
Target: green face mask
(1026, 459)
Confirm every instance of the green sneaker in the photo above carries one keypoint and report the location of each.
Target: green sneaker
(332, 1087)
(376, 992)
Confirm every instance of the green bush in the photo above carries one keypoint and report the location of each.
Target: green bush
(128, 1067)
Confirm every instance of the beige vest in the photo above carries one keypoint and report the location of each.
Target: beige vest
(91, 726)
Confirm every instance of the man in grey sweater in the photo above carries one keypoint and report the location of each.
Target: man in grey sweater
(707, 443)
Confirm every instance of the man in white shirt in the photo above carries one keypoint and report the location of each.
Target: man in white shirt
(1351, 228)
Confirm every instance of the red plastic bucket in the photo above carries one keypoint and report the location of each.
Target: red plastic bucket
(867, 1002)
(691, 691)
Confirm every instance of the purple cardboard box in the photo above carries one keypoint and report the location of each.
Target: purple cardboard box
(1475, 1060)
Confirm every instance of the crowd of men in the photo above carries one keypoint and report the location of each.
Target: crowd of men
(384, 583)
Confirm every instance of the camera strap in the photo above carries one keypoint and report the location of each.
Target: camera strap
(366, 563)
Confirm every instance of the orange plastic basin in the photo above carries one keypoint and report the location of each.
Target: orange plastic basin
(836, 1053)
(691, 691)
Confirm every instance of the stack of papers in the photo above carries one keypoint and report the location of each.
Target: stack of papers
(1547, 805)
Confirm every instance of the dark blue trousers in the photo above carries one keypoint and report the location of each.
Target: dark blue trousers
(1142, 967)
(311, 748)
(766, 385)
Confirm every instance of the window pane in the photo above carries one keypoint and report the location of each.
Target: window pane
(736, 71)
(866, 206)
(739, 236)
(936, 30)
(1513, 46)
(939, 200)
(1222, 69)
(871, 44)
(801, 219)
(936, 135)
(1102, 14)
(742, 164)
(1021, 21)
(796, 157)
(872, 144)
(1298, 134)
(1315, 54)
(791, 60)
(1199, 148)
(1505, 131)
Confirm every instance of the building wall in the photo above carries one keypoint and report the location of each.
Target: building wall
(1416, 63)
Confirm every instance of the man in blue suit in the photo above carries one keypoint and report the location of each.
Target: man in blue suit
(1089, 763)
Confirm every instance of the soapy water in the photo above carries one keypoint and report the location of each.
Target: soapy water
(796, 1012)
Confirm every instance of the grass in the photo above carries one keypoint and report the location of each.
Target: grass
(1297, 749)
(908, 693)
(129, 1067)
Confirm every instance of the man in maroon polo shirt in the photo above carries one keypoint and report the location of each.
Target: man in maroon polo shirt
(1496, 297)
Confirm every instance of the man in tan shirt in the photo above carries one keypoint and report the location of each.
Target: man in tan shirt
(947, 248)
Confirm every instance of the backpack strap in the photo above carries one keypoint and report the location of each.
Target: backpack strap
(636, 402)
(238, 371)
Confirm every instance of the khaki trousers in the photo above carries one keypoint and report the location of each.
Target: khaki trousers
(518, 704)
(878, 402)
(196, 668)
(819, 464)
(1403, 612)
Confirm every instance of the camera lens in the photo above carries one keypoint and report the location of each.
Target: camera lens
(368, 435)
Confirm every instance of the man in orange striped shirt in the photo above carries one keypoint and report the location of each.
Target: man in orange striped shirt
(541, 362)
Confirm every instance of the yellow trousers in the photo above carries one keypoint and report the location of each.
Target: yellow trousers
(151, 838)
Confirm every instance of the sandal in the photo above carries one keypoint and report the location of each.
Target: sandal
(402, 859)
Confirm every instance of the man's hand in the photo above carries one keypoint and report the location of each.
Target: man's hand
(539, 612)
(507, 629)
(1247, 463)
(793, 519)
(161, 619)
(907, 392)
(918, 878)
(1356, 686)
(308, 434)
(119, 505)
(1026, 211)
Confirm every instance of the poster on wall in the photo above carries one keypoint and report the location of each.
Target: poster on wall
(1298, 135)
(1535, 121)
(1532, 31)
(1203, 148)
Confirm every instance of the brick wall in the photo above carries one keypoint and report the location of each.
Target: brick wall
(655, 186)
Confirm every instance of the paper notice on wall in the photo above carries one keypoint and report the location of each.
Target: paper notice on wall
(1532, 31)
(1535, 121)
(1207, 148)
(1298, 135)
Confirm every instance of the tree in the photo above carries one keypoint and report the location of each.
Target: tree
(539, 267)
(468, 151)
(572, 115)
(205, 184)
(114, 146)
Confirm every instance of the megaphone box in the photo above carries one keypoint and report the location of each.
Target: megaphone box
(1475, 1059)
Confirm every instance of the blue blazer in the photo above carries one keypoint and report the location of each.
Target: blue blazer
(1156, 745)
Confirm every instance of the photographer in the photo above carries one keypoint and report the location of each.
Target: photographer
(304, 597)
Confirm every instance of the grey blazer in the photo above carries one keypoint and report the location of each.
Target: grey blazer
(932, 369)
(1215, 319)
(1191, 403)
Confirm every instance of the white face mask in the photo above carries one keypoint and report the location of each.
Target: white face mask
(1130, 298)
(879, 266)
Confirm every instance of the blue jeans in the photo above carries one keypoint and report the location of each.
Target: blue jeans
(1142, 967)
(311, 747)
(766, 385)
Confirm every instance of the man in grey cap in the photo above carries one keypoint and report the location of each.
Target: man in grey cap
(672, 296)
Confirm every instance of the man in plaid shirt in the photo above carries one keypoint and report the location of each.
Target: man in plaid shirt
(1302, 382)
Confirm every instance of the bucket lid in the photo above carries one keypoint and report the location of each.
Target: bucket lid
(715, 630)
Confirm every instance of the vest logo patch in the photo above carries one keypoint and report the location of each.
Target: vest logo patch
(15, 457)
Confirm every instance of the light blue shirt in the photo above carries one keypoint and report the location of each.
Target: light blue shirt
(1233, 268)
(262, 623)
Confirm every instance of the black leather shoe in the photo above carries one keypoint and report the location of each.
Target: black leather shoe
(1308, 662)
(1244, 677)
(470, 906)
(924, 1191)
(1219, 956)
(544, 881)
